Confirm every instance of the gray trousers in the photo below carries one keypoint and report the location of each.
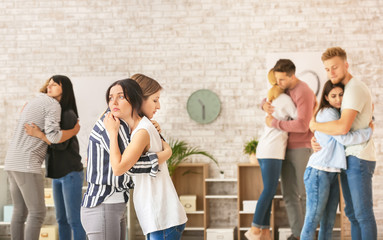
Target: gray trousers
(293, 187)
(105, 221)
(27, 192)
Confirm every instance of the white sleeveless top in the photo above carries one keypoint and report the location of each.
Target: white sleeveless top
(155, 198)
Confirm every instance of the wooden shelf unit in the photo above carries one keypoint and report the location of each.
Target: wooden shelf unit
(250, 186)
(189, 179)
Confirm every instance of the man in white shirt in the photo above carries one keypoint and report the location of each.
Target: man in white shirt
(356, 113)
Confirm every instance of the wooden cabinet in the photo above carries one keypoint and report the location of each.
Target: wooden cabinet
(250, 186)
(212, 194)
(221, 202)
(189, 179)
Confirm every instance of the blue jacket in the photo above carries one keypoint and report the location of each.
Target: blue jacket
(332, 154)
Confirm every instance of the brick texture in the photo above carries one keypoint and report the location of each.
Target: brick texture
(186, 45)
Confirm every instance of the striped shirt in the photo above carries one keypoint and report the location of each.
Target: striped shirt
(102, 183)
(27, 153)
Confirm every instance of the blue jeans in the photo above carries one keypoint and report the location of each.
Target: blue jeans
(67, 195)
(357, 193)
(172, 233)
(271, 170)
(322, 189)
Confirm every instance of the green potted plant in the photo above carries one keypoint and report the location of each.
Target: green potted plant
(250, 149)
(181, 151)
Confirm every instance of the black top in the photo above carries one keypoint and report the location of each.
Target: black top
(64, 158)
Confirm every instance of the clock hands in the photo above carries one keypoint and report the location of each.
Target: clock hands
(203, 108)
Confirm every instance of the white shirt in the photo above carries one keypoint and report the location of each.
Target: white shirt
(155, 199)
(273, 142)
(357, 97)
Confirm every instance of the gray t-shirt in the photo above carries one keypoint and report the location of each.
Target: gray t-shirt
(27, 153)
(357, 97)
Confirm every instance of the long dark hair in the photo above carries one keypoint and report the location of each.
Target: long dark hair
(328, 86)
(132, 93)
(68, 100)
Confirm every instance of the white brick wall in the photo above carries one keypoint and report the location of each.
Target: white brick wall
(186, 45)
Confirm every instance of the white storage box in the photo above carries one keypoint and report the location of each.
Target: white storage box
(249, 206)
(284, 233)
(7, 213)
(48, 196)
(189, 202)
(220, 233)
(49, 232)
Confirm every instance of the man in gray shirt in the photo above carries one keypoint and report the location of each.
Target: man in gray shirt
(23, 162)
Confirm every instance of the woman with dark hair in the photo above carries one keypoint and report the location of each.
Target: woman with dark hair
(103, 211)
(24, 158)
(321, 175)
(63, 161)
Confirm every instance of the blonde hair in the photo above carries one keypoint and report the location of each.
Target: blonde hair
(148, 85)
(334, 52)
(44, 88)
(275, 90)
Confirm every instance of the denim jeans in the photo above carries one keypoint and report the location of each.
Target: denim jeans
(322, 189)
(67, 195)
(172, 233)
(357, 193)
(271, 170)
(105, 221)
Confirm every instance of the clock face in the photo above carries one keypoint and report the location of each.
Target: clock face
(203, 106)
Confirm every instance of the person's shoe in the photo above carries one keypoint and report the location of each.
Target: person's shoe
(251, 236)
(292, 237)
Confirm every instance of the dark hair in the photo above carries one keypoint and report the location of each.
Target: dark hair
(132, 93)
(68, 100)
(328, 86)
(286, 66)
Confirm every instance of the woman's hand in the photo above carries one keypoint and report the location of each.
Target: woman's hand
(315, 145)
(312, 124)
(372, 125)
(156, 125)
(112, 124)
(267, 107)
(33, 130)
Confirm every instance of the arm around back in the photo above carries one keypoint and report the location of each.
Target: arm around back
(304, 100)
(69, 121)
(338, 127)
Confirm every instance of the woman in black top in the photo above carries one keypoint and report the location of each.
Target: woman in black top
(63, 161)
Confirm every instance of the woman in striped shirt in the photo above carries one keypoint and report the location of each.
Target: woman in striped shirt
(104, 204)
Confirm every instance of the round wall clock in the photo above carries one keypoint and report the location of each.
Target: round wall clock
(203, 106)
